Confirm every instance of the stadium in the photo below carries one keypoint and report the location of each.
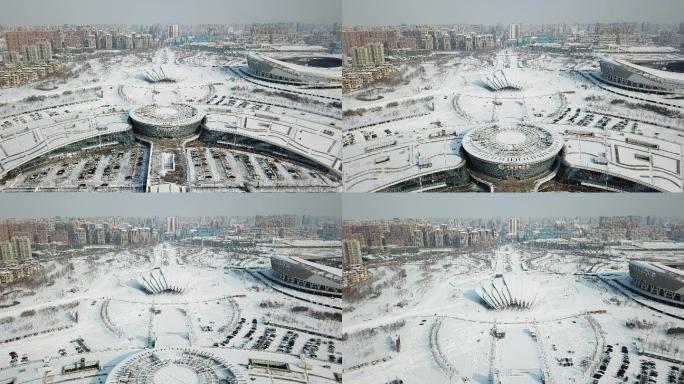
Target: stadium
(289, 71)
(643, 76)
(512, 151)
(166, 121)
(663, 282)
(306, 276)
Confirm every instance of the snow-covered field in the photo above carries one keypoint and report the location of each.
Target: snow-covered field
(447, 92)
(38, 123)
(97, 301)
(448, 334)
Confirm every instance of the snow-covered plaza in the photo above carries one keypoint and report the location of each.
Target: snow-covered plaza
(113, 119)
(543, 316)
(405, 132)
(164, 314)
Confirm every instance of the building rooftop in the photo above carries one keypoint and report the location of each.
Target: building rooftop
(330, 73)
(666, 75)
(166, 115)
(512, 143)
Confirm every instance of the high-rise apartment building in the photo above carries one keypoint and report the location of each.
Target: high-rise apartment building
(171, 224)
(30, 53)
(376, 53)
(6, 253)
(370, 54)
(45, 51)
(513, 31)
(80, 236)
(173, 31)
(22, 248)
(10, 57)
(360, 56)
(351, 252)
(513, 226)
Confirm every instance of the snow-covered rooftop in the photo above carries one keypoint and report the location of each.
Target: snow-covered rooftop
(512, 144)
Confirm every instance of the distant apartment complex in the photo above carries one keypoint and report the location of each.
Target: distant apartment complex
(368, 64)
(402, 42)
(368, 48)
(29, 54)
(16, 75)
(513, 226)
(351, 252)
(370, 54)
(16, 261)
(409, 41)
(354, 271)
(75, 233)
(79, 38)
(14, 251)
(33, 63)
(416, 234)
(172, 32)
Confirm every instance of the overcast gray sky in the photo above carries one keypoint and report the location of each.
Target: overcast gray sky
(386, 206)
(35, 205)
(348, 205)
(41, 12)
(387, 12)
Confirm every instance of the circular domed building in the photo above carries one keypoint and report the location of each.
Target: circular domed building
(171, 121)
(180, 365)
(519, 152)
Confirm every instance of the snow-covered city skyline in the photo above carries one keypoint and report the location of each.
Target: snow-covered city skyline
(341, 191)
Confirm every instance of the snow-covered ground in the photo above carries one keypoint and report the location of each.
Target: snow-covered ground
(98, 300)
(99, 90)
(447, 93)
(448, 334)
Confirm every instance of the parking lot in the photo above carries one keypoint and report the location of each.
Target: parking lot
(223, 168)
(616, 366)
(111, 168)
(317, 112)
(598, 121)
(256, 335)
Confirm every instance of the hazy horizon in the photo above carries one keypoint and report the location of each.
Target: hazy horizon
(23, 12)
(68, 204)
(524, 205)
(395, 12)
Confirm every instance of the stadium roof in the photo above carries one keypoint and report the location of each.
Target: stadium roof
(333, 74)
(512, 143)
(659, 267)
(298, 260)
(666, 75)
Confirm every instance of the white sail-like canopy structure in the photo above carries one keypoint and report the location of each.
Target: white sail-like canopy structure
(500, 81)
(509, 291)
(161, 74)
(165, 280)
